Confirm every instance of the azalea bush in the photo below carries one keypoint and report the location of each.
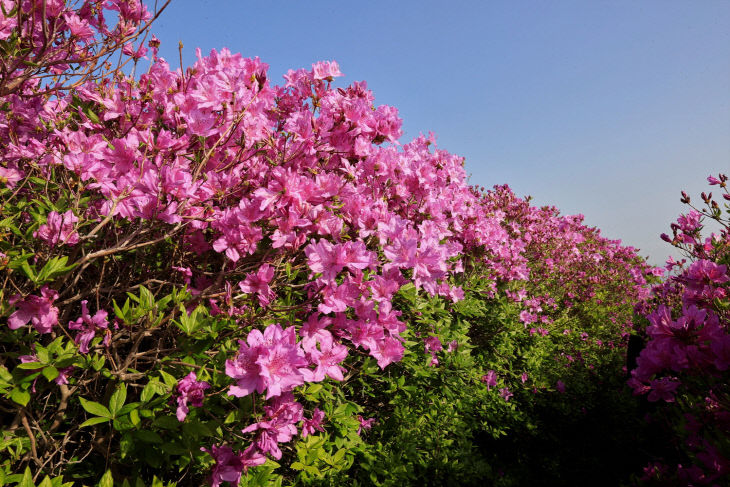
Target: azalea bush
(211, 278)
(683, 368)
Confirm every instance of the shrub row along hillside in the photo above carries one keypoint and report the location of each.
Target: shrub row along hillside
(208, 275)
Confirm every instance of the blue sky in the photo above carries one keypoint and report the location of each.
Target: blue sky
(606, 108)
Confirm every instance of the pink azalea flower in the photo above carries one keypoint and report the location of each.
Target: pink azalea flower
(663, 389)
(244, 369)
(315, 424)
(490, 379)
(327, 358)
(229, 466)
(259, 283)
(386, 351)
(326, 70)
(329, 259)
(270, 361)
(279, 427)
(190, 390)
(39, 310)
(365, 424)
(505, 394)
(10, 175)
(58, 229)
(88, 325)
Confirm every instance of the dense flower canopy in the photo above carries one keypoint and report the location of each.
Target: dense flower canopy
(263, 235)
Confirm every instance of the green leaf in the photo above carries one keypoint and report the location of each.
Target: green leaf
(167, 422)
(148, 436)
(50, 372)
(20, 396)
(106, 480)
(27, 480)
(30, 366)
(134, 417)
(117, 400)
(93, 117)
(25, 267)
(93, 421)
(54, 268)
(170, 380)
(95, 408)
(46, 482)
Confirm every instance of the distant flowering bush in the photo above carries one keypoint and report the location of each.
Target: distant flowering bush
(206, 273)
(687, 356)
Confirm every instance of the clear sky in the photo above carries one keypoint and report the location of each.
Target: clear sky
(606, 108)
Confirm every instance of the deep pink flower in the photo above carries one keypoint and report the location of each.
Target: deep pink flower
(87, 325)
(39, 310)
(58, 229)
(663, 389)
(10, 175)
(327, 358)
(309, 426)
(279, 427)
(229, 466)
(505, 394)
(490, 379)
(365, 424)
(189, 390)
(270, 361)
(259, 283)
(329, 259)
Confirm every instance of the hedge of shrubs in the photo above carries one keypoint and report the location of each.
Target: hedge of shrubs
(208, 277)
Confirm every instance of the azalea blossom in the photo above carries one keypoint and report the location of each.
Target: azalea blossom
(190, 391)
(39, 310)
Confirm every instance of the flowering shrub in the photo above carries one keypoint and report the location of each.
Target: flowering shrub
(684, 365)
(211, 276)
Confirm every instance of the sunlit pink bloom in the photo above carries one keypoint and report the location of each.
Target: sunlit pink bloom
(326, 70)
(386, 351)
(280, 360)
(10, 175)
(244, 369)
(327, 358)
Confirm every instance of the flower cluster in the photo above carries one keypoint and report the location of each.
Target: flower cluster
(688, 341)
